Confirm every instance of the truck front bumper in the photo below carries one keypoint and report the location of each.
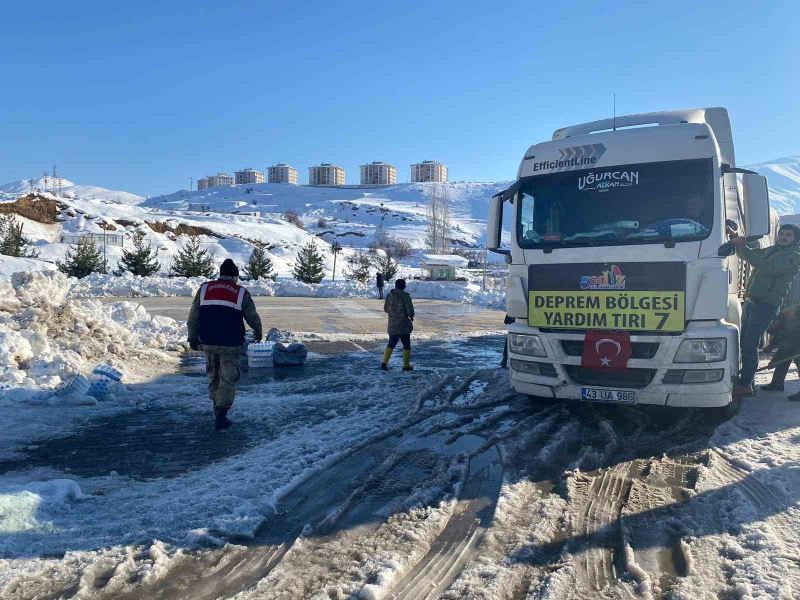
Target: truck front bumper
(561, 380)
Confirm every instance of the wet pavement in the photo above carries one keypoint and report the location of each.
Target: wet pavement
(345, 315)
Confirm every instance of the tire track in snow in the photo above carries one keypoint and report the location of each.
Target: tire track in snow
(464, 531)
(316, 503)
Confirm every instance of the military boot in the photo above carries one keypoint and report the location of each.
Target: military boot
(221, 420)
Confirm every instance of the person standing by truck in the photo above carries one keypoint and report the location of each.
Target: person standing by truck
(400, 309)
(774, 269)
(216, 326)
(786, 330)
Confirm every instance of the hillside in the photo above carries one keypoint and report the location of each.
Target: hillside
(225, 236)
(783, 175)
(70, 190)
(353, 213)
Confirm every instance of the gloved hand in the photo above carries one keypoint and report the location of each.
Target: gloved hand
(194, 344)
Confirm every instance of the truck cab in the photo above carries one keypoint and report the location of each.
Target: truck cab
(620, 226)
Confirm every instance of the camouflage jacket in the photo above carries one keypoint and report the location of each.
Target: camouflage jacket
(401, 312)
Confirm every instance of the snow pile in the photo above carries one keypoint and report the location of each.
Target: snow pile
(127, 285)
(46, 338)
(25, 507)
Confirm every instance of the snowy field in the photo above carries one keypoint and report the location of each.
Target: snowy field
(340, 481)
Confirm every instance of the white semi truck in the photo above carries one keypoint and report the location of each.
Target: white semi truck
(618, 238)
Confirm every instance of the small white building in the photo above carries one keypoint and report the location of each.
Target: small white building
(442, 266)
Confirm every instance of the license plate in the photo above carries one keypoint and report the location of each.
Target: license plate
(602, 395)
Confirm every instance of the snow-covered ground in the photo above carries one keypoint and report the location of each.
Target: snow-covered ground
(340, 481)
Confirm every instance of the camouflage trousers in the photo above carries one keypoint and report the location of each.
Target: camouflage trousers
(222, 366)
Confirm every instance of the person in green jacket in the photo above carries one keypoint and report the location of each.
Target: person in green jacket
(774, 269)
(400, 308)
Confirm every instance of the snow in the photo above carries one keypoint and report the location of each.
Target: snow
(47, 339)
(353, 213)
(783, 177)
(26, 507)
(70, 190)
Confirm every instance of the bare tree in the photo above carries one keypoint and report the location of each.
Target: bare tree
(439, 221)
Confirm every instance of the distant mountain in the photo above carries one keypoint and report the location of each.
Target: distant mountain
(783, 175)
(70, 189)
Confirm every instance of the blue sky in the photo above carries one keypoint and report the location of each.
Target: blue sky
(142, 96)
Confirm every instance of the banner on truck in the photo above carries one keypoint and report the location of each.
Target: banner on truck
(618, 296)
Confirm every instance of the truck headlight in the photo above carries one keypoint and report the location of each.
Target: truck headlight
(701, 350)
(526, 344)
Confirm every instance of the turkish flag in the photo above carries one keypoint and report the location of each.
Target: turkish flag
(606, 350)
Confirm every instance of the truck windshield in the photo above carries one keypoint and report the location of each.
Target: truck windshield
(624, 204)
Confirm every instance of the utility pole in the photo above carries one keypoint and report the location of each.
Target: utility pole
(56, 187)
(191, 184)
(485, 257)
(335, 248)
(46, 179)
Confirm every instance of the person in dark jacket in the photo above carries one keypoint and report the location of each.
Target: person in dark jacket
(216, 326)
(400, 309)
(379, 281)
(786, 329)
(774, 269)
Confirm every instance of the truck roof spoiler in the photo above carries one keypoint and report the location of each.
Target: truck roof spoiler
(716, 118)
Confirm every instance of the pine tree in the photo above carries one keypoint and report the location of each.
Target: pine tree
(12, 241)
(84, 260)
(387, 265)
(358, 266)
(142, 260)
(309, 265)
(193, 261)
(259, 266)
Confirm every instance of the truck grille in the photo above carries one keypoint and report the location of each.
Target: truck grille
(639, 349)
(630, 378)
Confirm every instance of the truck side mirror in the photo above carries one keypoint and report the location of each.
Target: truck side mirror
(756, 205)
(494, 225)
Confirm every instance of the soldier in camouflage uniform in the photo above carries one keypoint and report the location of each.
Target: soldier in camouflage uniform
(401, 323)
(216, 325)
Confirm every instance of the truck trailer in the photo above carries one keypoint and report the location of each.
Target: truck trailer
(622, 283)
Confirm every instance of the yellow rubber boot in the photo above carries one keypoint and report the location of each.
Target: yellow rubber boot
(387, 354)
(407, 361)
